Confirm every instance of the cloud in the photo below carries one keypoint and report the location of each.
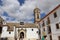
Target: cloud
(45, 5)
(25, 12)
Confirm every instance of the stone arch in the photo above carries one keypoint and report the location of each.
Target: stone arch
(21, 32)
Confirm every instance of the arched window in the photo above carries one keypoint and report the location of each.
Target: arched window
(37, 15)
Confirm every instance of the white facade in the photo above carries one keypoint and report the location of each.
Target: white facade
(55, 33)
(29, 33)
(5, 33)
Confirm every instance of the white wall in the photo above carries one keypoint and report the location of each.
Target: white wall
(32, 34)
(54, 21)
(5, 33)
(55, 32)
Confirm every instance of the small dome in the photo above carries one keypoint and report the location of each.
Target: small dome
(36, 9)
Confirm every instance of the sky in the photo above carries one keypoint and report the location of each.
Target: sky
(22, 10)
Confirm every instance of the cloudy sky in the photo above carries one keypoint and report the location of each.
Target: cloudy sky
(22, 10)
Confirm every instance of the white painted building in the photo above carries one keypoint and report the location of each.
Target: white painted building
(50, 25)
(29, 33)
(20, 31)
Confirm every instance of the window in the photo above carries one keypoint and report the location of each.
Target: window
(57, 26)
(50, 37)
(59, 38)
(49, 29)
(48, 21)
(21, 23)
(32, 29)
(9, 32)
(43, 24)
(38, 16)
(55, 15)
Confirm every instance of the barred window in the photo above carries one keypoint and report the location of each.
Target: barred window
(49, 29)
(48, 20)
(55, 15)
(57, 26)
(43, 24)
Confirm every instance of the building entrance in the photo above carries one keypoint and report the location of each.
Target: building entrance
(21, 35)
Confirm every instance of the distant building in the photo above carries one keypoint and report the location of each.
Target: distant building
(50, 25)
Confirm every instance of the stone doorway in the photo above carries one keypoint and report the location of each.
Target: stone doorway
(21, 35)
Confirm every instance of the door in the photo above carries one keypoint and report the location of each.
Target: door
(21, 35)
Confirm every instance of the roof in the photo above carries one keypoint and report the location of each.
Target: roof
(36, 9)
(50, 12)
(26, 25)
(17, 25)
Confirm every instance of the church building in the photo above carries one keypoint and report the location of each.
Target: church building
(47, 28)
(21, 30)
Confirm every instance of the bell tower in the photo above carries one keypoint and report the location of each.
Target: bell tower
(36, 15)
